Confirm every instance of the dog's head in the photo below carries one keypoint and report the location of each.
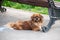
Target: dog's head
(37, 18)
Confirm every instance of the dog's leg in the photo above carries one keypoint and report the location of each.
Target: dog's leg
(35, 28)
(17, 28)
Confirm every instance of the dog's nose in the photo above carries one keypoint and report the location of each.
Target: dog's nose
(36, 18)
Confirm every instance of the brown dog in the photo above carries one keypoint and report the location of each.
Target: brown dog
(34, 24)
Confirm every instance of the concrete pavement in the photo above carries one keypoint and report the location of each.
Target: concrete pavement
(14, 15)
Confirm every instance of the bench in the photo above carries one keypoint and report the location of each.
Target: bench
(53, 9)
(33, 2)
(30, 2)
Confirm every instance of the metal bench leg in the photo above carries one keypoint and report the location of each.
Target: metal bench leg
(0, 4)
(51, 22)
(2, 9)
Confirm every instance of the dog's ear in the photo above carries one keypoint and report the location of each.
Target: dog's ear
(41, 16)
(32, 17)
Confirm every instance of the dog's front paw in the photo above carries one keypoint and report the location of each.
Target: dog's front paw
(36, 29)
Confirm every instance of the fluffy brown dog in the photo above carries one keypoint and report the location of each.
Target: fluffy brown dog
(34, 24)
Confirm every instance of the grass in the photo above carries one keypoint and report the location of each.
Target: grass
(26, 7)
(57, 0)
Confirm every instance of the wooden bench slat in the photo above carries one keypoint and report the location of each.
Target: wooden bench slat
(42, 3)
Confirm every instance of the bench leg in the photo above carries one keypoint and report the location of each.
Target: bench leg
(0, 3)
(51, 22)
(46, 28)
(2, 9)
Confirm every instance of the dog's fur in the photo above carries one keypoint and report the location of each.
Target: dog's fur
(34, 24)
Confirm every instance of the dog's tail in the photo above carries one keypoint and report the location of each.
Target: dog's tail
(9, 25)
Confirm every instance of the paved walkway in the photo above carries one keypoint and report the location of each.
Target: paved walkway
(14, 15)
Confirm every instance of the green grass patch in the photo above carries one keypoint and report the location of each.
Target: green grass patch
(57, 0)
